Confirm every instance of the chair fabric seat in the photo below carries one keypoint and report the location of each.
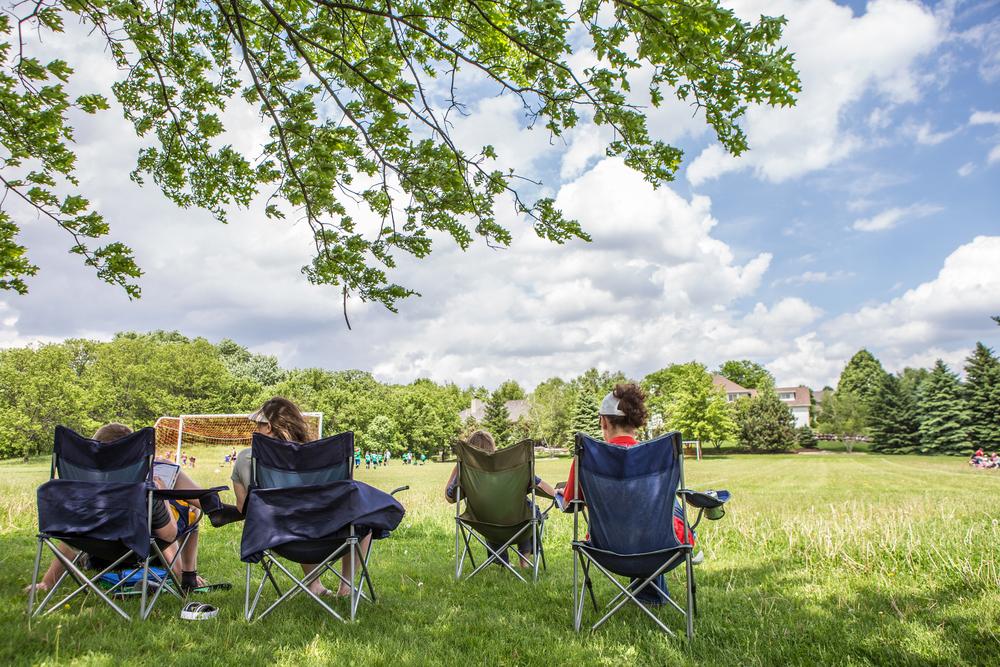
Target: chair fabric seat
(309, 514)
(111, 512)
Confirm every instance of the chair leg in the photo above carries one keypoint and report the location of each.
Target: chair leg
(34, 577)
(689, 576)
(86, 583)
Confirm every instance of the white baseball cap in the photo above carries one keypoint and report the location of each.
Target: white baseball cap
(609, 406)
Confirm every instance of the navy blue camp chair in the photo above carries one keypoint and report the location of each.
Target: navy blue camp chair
(628, 500)
(99, 500)
(304, 506)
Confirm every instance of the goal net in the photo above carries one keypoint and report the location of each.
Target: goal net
(226, 431)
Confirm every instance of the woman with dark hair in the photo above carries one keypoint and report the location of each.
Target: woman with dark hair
(281, 419)
(622, 414)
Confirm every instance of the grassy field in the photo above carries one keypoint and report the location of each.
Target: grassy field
(823, 559)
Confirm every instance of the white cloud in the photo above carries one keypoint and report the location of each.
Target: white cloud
(994, 155)
(951, 307)
(892, 217)
(966, 169)
(814, 277)
(984, 118)
(841, 57)
(925, 135)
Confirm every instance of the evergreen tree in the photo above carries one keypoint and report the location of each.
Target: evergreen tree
(943, 414)
(805, 438)
(982, 395)
(497, 419)
(764, 422)
(586, 414)
(894, 424)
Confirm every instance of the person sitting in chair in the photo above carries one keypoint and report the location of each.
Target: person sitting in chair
(171, 518)
(484, 442)
(280, 418)
(622, 414)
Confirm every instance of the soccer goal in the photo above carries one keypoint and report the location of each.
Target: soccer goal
(227, 431)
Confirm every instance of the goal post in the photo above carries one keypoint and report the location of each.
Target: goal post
(223, 430)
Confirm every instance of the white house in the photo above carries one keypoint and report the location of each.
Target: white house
(799, 398)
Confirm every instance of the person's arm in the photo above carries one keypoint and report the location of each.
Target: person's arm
(545, 487)
(241, 496)
(163, 527)
(450, 489)
(240, 478)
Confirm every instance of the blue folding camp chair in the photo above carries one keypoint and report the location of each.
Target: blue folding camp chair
(627, 495)
(99, 500)
(304, 506)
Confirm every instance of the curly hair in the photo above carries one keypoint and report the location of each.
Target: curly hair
(631, 401)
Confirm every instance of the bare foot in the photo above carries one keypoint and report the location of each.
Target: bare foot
(344, 591)
(40, 587)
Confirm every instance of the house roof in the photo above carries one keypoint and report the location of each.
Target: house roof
(731, 387)
(802, 393)
(802, 398)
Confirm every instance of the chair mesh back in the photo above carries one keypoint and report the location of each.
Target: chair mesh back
(81, 459)
(494, 485)
(281, 465)
(630, 492)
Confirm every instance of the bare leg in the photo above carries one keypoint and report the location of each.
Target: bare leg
(316, 586)
(178, 565)
(185, 482)
(345, 590)
(55, 569)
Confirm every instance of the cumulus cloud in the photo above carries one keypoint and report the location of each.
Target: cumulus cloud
(841, 57)
(892, 217)
(966, 169)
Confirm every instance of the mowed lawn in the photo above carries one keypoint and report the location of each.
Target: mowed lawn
(830, 559)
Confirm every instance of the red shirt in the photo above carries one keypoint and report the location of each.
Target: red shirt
(624, 440)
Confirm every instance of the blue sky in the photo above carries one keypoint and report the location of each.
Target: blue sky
(869, 215)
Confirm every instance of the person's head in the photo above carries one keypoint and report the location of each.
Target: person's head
(483, 441)
(280, 418)
(623, 410)
(111, 432)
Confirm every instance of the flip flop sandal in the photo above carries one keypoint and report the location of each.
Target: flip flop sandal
(198, 611)
(208, 588)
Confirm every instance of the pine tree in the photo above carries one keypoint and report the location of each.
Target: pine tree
(894, 424)
(586, 414)
(982, 395)
(497, 419)
(943, 415)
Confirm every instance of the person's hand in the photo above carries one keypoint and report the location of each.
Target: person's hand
(158, 482)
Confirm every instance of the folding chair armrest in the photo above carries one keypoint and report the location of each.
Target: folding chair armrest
(573, 504)
(186, 494)
(398, 489)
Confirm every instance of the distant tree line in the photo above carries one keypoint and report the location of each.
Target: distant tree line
(137, 377)
(918, 410)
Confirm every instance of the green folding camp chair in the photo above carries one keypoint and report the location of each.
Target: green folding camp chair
(496, 511)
